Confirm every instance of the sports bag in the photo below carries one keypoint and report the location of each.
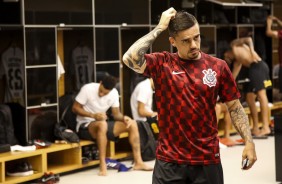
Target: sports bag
(147, 141)
(7, 135)
(63, 133)
(67, 117)
(65, 129)
(42, 127)
(153, 122)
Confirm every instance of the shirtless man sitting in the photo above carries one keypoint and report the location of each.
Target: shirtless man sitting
(242, 54)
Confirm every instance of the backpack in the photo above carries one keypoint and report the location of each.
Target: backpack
(66, 128)
(153, 122)
(63, 133)
(42, 127)
(7, 135)
(147, 141)
(67, 117)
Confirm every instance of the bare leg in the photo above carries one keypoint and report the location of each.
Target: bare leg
(221, 108)
(98, 131)
(227, 124)
(251, 100)
(218, 111)
(134, 141)
(264, 109)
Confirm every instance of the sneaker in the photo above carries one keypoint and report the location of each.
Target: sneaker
(21, 169)
(50, 178)
(41, 144)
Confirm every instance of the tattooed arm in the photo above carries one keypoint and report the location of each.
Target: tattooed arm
(134, 57)
(241, 124)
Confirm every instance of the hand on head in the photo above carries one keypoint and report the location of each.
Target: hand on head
(166, 17)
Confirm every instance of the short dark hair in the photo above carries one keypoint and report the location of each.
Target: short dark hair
(109, 82)
(182, 21)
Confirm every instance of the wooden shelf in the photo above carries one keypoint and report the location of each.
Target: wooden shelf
(57, 158)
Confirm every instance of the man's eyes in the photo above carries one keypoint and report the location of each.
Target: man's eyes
(196, 38)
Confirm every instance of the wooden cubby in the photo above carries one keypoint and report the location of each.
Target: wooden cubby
(45, 29)
(57, 158)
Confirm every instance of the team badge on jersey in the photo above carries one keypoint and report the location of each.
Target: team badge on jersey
(209, 78)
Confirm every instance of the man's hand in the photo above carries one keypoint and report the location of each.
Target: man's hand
(166, 17)
(249, 153)
(100, 116)
(154, 114)
(127, 121)
(255, 57)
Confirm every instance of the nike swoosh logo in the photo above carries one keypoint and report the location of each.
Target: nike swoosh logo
(176, 73)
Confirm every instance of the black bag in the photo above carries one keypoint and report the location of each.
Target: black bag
(147, 141)
(153, 122)
(65, 129)
(5, 148)
(7, 135)
(63, 133)
(42, 127)
(65, 106)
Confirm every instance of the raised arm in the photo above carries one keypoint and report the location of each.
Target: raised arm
(134, 56)
(241, 124)
(279, 22)
(269, 31)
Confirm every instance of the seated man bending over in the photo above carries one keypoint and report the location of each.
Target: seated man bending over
(91, 105)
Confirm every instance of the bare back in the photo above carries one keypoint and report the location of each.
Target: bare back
(243, 54)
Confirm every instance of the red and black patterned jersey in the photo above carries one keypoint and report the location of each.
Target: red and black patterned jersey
(186, 92)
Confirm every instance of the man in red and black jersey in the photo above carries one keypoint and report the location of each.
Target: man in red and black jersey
(187, 84)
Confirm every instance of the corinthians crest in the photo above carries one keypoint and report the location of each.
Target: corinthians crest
(209, 78)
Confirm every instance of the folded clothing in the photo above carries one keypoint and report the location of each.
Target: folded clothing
(114, 164)
(23, 148)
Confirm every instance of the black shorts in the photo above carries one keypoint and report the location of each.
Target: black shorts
(258, 73)
(167, 173)
(83, 132)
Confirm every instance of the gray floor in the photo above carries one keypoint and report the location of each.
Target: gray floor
(263, 171)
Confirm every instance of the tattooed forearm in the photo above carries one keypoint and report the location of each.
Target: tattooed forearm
(240, 121)
(134, 57)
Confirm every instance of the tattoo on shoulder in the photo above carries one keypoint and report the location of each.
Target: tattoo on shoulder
(134, 57)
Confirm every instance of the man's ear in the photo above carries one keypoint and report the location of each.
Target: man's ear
(172, 41)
